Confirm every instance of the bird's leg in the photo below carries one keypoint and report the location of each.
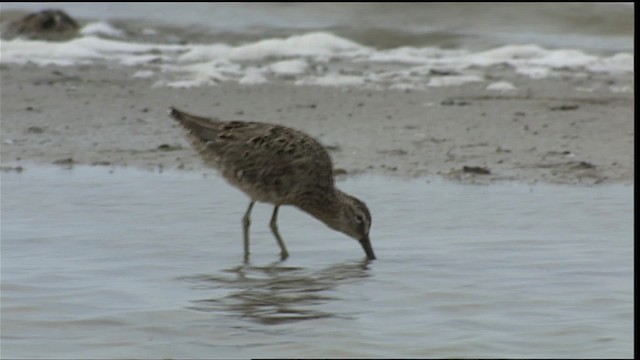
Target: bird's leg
(246, 221)
(274, 229)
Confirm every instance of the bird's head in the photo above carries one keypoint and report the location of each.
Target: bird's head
(354, 220)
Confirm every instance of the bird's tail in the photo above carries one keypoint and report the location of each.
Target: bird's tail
(201, 127)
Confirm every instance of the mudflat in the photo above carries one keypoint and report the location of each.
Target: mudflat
(557, 130)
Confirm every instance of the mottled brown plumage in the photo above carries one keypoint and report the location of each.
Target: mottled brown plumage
(277, 165)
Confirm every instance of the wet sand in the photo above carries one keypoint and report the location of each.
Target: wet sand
(546, 131)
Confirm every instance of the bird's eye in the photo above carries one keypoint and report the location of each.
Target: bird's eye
(359, 219)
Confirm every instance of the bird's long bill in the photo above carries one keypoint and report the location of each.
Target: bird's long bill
(366, 245)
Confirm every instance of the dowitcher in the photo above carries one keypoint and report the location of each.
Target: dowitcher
(277, 165)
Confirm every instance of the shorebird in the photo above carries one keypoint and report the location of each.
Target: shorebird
(277, 165)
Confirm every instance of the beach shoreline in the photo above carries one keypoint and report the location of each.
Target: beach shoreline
(545, 131)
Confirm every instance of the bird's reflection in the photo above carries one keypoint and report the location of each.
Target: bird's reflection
(275, 293)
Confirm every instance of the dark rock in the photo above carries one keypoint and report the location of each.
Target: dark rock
(306, 106)
(50, 24)
(451, 102)
(67, 161)
(35, 130)
(564, 108)
(476, 170)
(101, 163)
(167, 147)
(580, 165)
(436, 72)
(17, 169)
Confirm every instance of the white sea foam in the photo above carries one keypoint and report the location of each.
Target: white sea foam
(149, 31)
(501, 86)
(178, 84)
(618, 63)
(289, 67)
(253, 76)
(453, 80)
(202, 53)
(102, 28)
(317, 44)
(317, 58)
(621, 89)
(332, 79)
(135, 60)
(143, 74)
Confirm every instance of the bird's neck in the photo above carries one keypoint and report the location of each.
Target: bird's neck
(324, 206)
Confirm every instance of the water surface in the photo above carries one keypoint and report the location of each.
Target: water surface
(140, 264)
(602, 27)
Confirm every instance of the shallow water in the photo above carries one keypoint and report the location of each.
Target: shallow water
(141, 264)
(602, 27)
